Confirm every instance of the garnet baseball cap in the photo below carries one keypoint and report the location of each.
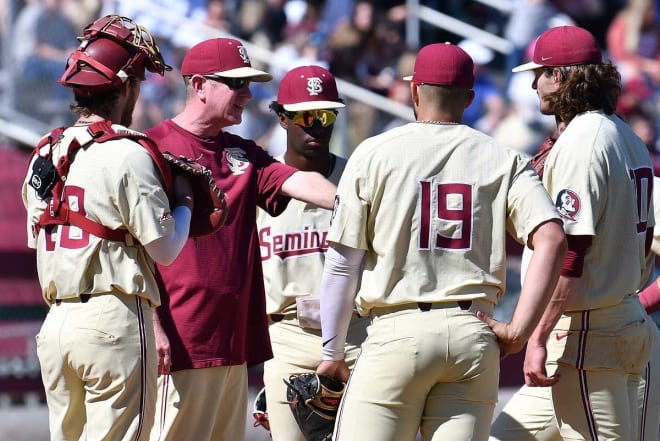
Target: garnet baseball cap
(563, 46)
(443, 64)
(308, 88)
(224, 57)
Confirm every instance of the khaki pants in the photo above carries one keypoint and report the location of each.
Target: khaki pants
(297, 350)
(207, 404)
(435, 370)
(530, 416)
(99, 368)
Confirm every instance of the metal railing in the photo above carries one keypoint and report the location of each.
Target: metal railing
(22, 128)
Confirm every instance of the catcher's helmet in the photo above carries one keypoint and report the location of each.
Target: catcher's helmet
(112, 49)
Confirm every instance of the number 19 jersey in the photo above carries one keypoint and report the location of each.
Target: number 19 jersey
(431, 205)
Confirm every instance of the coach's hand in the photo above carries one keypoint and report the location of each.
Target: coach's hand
(162, 348)
(335, 369)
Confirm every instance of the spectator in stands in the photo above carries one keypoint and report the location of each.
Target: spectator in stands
(25, 25)
(365, 51)
(81, 12)
(55, 39)
(488, 107)
(528, 19)
(633, 42)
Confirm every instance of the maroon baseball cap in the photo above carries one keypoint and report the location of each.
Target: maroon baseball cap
(308, 88)
(563, 46)
(224, 57)
(443, 64)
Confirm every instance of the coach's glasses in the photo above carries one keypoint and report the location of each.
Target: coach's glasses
(232, 83)
(306, 118)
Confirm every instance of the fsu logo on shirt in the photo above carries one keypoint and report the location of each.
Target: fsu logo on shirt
(568, 204)
(236, 160)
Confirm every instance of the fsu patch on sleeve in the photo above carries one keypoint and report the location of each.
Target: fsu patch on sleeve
(568, 204)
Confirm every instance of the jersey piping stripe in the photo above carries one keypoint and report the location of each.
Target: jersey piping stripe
(341, 405)
(163, 404)
(645, 403)
(582, 374)
(143, 367)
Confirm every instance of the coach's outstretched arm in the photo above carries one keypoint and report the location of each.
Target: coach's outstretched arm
(310, 187)
(549, 244)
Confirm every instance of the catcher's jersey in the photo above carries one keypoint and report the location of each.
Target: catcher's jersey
(293, 247)
(431, 204)
(600, 176)
(115, 184)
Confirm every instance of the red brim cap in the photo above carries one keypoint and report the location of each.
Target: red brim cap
(225, 57)
(563, 46)
(443, 64)
(308, 88)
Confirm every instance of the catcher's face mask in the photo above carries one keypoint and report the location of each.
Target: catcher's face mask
(112, 49)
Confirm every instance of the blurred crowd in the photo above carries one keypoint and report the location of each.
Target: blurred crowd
(362, 42)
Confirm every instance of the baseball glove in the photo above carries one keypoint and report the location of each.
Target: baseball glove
(209, 205)
(314, 400)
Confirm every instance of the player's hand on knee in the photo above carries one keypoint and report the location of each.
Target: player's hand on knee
(336, 369)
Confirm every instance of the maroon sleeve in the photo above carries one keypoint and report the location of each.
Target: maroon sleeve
(271, 175)
(574, 260)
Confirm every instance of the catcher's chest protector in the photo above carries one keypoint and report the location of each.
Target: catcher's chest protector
(50, 183)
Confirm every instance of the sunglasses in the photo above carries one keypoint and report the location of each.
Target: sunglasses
(306, 118)
(232, 83)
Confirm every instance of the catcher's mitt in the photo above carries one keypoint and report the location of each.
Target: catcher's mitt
(209, 205)
(314, 400)
(259, 412)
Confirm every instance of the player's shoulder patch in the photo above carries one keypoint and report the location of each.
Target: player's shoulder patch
(568, 204)
(334, 208)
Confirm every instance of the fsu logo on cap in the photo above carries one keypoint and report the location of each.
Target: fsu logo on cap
(314, 85)
(568, 204)
(244, 55)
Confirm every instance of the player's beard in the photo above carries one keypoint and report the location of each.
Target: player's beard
(127, 114)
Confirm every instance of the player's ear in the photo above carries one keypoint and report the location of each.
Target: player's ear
(557, 75)
(470, 98)
(283, 120)
(414, 93)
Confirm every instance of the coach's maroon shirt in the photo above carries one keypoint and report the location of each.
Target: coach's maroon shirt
(213, 302)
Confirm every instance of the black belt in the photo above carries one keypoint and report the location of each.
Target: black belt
(463, 304)
(277, 317)
(84, 298)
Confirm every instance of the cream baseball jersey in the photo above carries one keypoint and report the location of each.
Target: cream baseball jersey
(600, 176)
(445, 196)
(115, 184)
(293, 247)
(655, 246)
(648, 276)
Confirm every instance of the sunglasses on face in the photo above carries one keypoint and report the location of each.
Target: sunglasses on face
(232, 83)
(306, 118)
